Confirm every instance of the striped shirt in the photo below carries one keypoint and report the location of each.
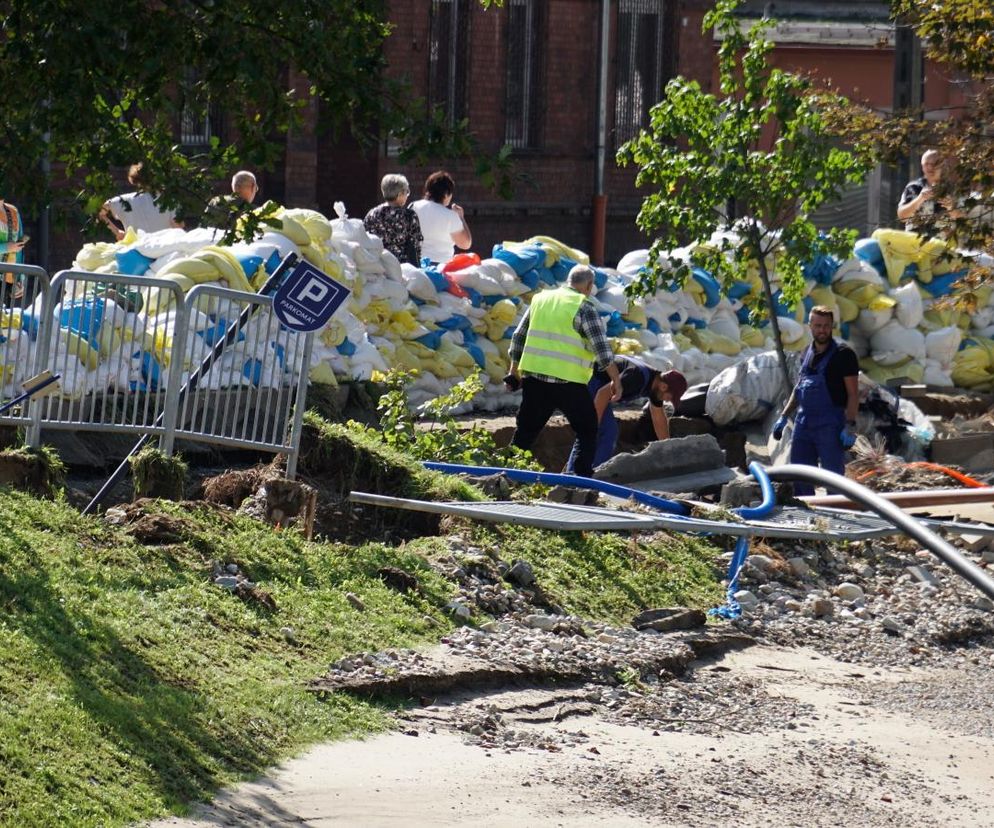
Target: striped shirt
(587, 323)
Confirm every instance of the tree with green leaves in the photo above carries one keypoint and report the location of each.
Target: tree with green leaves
(94, 86)
(762, 146)
(959, 36)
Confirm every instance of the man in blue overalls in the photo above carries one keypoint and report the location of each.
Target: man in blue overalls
(826, 398)
(637, 380)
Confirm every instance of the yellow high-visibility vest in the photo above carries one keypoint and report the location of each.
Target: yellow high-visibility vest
(552, 346)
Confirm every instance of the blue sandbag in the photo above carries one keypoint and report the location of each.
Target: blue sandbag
(250, 265)
(560, 270)
(252, 371)
(712, 290)
(738, 290)
(477, 354)
(822, 268)
(546, 277)
(844, 330)
(615, 325)
(346, 347)
(440, 283)
(84, 317)
(521, 260)
(529, 279)
(456, 322)
(468, 335)
(943, 285)
(432, 339)
(132, 263)
(700, 324)
(214, 333)
(743, 314)
(653, 326)
(869, 251)
(509, 331)
(600, 278)
(273, 262)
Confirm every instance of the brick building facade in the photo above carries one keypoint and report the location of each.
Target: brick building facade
(526, 74)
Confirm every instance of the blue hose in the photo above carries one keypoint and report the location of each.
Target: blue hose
(731, 609)
(576, 481)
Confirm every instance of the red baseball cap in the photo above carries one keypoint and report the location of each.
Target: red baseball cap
(676, 384)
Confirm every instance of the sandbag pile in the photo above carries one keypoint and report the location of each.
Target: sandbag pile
(444, 322)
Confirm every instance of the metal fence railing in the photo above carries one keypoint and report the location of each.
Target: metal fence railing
(249, 396)
(124, 346)
(24, 292)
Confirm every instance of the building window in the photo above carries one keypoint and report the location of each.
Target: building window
(201, 118)
(525, 47)
(639, 76)
(448, 63)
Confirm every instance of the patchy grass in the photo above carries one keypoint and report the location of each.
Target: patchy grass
(130, 685)
(611, 577)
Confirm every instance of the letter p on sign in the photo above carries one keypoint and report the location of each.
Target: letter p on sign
(314, 291)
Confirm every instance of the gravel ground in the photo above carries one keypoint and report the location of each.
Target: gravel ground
(864, 701)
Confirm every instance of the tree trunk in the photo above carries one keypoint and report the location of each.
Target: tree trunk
(774, 323)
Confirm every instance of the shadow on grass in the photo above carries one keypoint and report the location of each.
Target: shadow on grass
(156, 722)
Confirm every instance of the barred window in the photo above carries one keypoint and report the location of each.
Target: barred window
(639, 75)
(525, 47)
(448, 58)
(200, 118)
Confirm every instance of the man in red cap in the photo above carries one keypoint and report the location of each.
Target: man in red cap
(637, 380)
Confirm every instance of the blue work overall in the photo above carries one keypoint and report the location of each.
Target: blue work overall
(607, 430)
(819, 421)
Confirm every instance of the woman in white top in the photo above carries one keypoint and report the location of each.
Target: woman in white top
(138, 209)
(442, 222)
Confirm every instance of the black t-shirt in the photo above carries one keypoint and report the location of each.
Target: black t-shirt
(844, 364)
(633, 384)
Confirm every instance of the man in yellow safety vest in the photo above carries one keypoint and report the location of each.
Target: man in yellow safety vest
(554, 346)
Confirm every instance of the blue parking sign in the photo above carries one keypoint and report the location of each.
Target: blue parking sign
(307, 298)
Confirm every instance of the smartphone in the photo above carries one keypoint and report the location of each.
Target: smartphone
(25, 239)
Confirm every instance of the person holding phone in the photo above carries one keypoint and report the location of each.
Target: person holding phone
(443, 223)
(12, 242)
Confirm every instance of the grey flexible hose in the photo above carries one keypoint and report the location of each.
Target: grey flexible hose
(951, 556)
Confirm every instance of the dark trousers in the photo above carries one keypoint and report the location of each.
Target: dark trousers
(540, 399)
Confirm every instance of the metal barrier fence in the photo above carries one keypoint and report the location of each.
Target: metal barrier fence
(122, 369)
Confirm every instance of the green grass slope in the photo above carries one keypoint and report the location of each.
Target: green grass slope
(130, 684)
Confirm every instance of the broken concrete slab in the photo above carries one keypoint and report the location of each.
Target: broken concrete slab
(669, 618)
(922, 574)
(664, 458)
(686, 483)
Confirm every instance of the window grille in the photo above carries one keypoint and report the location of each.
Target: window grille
(448, 53)
(199, 124)
(639, 75)
(523, 90)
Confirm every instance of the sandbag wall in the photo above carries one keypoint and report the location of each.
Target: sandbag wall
(444, 322)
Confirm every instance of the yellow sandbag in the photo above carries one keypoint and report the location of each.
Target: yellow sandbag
(321, 374)
(909, 368)
(333, 334)
(495, 369)
(848, 310)
(882, 302)
(857, 291)
(292, 229)
(636, 314)
(682, 342)
(561, 250)
(712, 343)
(751, 337)
(317, 226)
(454, 354)
(626, 346)
(900, 248)
(402, 357)
(81, 349)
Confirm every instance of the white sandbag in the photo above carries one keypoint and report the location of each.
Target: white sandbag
(725, 323)
(871, 321)
(937, 374)
(791, 331)
(418, 284)
(909, 305)
(942, 345)
(859, 342)
(893, 344)
(746, 391)
(391, 267)
(855, 269)
(613, 296)
(631, 262)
